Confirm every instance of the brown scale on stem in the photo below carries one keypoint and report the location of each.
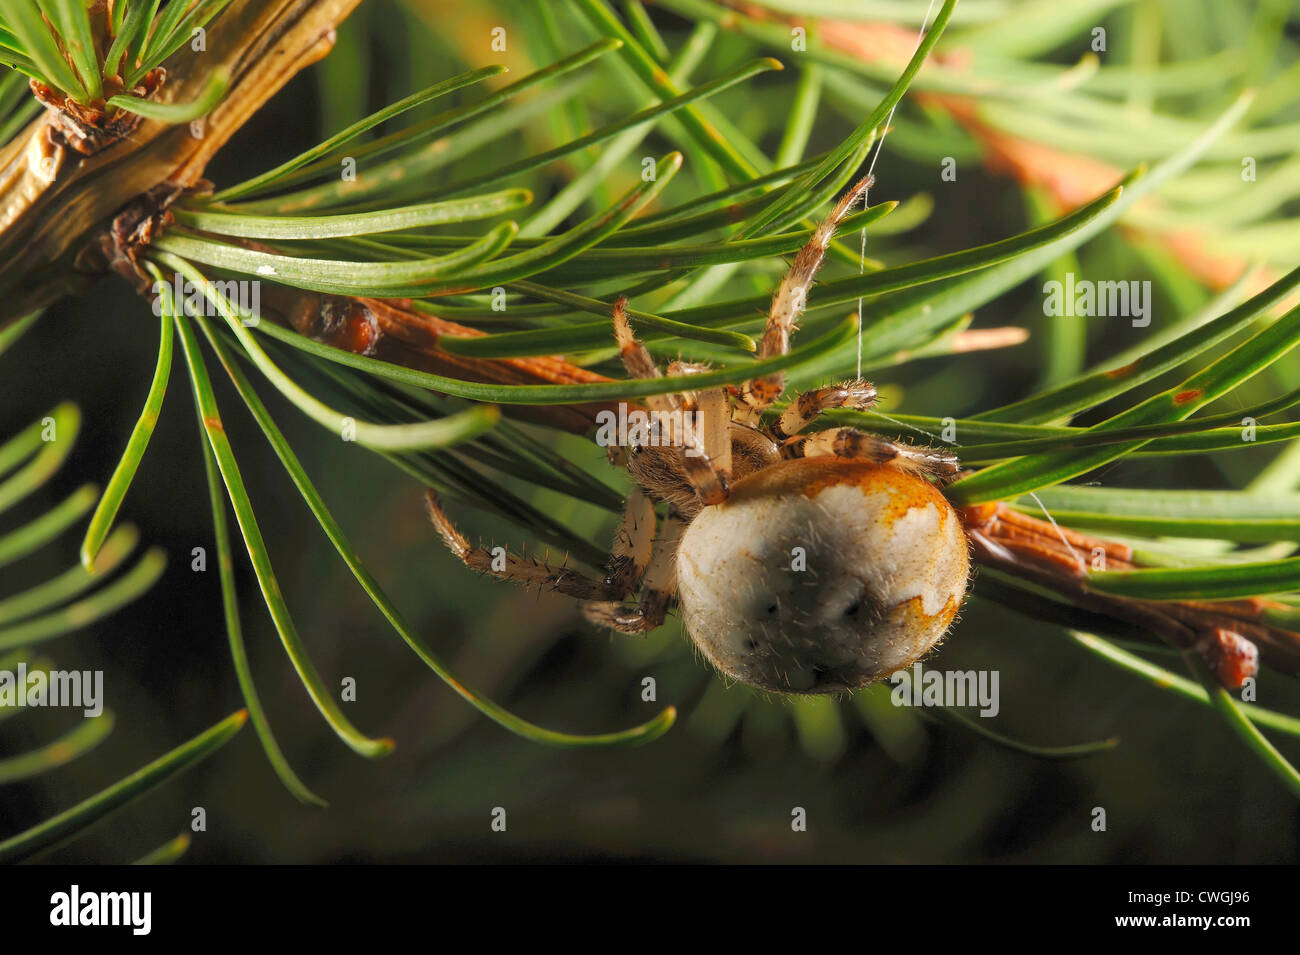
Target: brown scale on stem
(132, 231)
(90, 128)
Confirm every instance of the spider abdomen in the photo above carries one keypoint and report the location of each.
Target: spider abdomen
(820, 575)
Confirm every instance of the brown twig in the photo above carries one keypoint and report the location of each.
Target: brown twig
(1229, 635)
(54, 200)
(392, 330)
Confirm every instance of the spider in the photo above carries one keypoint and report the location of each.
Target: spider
(802, 561)
(809, 561)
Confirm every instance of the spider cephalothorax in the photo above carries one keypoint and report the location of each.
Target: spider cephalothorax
(802, 561)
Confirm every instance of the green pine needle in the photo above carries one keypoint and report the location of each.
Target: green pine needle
(96, 808)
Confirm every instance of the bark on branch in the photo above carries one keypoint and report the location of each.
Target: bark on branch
(54, 201)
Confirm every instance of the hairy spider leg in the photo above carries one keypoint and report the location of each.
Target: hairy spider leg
(938, 464)
(633, 544)
(791, 299)
(859, 395)
(637, 359)
(699, 465)
(658, 587)
(503, 565)
(706, 447)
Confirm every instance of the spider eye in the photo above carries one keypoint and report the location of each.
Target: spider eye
(772, 609)
(853, 608)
